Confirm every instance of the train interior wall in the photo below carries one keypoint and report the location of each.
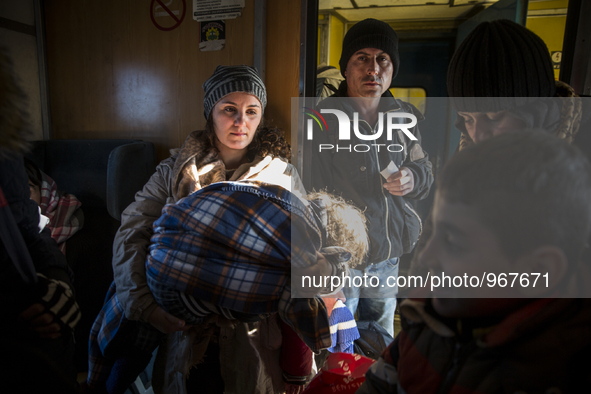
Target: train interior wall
(112, 74)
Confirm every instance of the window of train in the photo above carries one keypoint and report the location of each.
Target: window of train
(415, 96)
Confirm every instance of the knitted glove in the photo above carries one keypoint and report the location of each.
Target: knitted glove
(57, 298)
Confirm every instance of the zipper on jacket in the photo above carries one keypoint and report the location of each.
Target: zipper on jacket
(386, 200)
(373, 130)
(417, 216)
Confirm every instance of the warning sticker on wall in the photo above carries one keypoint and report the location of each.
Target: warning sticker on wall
(213, 35)
(556, 58)
(207, 10)
(167, 16)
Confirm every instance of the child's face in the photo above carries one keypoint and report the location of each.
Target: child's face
(462, 246)
(35, 192)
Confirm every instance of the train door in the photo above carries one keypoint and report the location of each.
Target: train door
(423, 68)
(425, 50)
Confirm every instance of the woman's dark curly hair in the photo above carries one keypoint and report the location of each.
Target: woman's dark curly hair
(268, 140)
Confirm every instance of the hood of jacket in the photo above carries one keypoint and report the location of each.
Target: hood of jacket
(198, 164)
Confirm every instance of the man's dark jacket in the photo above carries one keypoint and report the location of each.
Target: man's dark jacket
(393, 225)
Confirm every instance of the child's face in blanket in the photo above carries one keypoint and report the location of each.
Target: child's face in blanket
(235, 119)
(35, 192)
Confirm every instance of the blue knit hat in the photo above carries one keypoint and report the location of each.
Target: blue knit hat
(230, 79)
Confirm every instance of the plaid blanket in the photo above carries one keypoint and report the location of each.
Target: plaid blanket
(61, 209)
(230, 245)
(112, 336)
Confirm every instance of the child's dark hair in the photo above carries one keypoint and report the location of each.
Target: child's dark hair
(33, 172)
(530, 188)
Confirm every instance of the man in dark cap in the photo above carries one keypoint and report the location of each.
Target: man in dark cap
(377, 171)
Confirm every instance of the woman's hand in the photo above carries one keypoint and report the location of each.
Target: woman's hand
(320, 270)
(165, 322)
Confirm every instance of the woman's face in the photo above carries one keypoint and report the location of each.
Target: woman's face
(483, 125)
(235, 121)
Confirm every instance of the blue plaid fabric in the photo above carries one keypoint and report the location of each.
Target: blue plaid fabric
(230, 245)
(112, 335)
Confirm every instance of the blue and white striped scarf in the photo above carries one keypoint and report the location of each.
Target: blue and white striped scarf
(343, 329)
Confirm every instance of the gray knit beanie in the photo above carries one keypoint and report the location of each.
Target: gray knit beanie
(370, 33)
(230, 79)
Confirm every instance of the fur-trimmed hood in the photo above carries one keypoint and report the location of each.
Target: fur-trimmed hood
(198, 164)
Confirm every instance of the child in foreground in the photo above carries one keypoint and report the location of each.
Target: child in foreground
(517, 203)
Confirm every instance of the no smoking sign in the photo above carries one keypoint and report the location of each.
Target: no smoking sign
(167, 14)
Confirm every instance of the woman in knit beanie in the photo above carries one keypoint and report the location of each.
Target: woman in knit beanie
(501, 78)
(234, 146)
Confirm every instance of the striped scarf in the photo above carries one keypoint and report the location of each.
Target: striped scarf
(343, 329)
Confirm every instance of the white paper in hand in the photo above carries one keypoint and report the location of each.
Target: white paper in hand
(391, 169)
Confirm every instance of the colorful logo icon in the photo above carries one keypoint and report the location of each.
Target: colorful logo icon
(317, 117)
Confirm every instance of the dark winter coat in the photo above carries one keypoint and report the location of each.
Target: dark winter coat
(541, 348)
(393, 225)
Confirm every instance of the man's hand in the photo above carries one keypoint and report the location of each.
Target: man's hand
(400, 183)
(41, 321)
(319, 270)
(165, 322)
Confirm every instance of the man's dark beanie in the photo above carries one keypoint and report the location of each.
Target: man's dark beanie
(499, 59)
(370, 33)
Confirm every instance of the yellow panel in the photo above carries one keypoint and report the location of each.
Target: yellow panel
(546, 5)
(415, 96)
(551, 30)
(318, 43)
(335, 39)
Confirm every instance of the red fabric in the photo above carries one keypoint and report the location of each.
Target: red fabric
(3, 202)
(415, 370)
(343, 373)
(59, 208)
(505, 330)
(296, 357)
